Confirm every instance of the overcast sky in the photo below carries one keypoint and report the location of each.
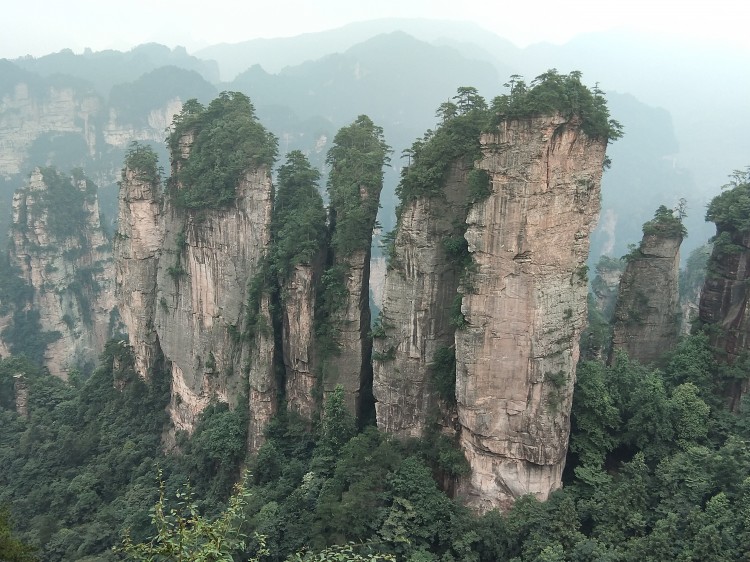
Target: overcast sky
(39, 27)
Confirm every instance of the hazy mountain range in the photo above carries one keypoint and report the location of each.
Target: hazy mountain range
(682, 105)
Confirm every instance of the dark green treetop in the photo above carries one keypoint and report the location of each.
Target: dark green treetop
(731, 209)
(299, 218)
(665, 223)
(430, 158)
(552, 92)
(357, 157)
(228, 141)
(143, 160)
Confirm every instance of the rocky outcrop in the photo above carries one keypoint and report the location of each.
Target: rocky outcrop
(415, 323)
(647, 314)
(298, 310)
(350, 365)
(21, 391)
(357, 157)
(26, 114)
(724, 303)
(118, 132)
(137, 248)
(525, 306)
(61, 252)
(207, 265)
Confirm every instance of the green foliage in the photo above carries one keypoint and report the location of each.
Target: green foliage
(730, 210)
(11, 549)
(64, 203)
(665, 224)
(183, 534)
(479, 185)
(552, 92)
(431, 157)
(299, 219)
(143, 160)
(357, 157)
(443, 373)
(228, 141)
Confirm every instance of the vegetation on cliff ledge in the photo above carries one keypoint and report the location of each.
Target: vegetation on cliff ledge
(227, 141)
(553, 92)
(357, 157)
(144, 162)
(457, 136)
(298, 225)
(730, 210)
(665, 224)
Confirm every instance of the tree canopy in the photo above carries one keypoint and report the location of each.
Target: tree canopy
(228, 141)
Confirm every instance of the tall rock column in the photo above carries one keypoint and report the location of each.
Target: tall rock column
(416, 333)
(525, 306)
(297, 256)
(137, 248)
(207, 287)
(724, 298)
(60, 251)
(647, 314)
(356, 179)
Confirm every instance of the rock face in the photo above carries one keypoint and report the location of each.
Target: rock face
(25, 115)
(137, 248)
(647, 314)
(21, 391)
(202, 290)
(28, 113)
(525, 307)
(723, 304)
(186, 290)
(420, 290)
(351, 365)
(298, 311)
(62, 253)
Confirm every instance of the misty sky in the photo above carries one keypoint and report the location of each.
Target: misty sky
(39, 27)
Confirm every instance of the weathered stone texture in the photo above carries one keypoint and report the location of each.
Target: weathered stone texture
(71, 277)
(298, 310)
(420, 289)
(137, 248)
(527, 306)
(208, 260)
(647, 314)
(724, 305)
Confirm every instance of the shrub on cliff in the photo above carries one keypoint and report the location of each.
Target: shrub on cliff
(228, 140)
(730, 210)
(299, 218)
(553, 92)
(665, 224)
(357, 157)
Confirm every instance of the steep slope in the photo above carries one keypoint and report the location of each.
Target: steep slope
(724, 298)
(416, 329)
(61, 254)
(357, 158)
(207, 306)
(647, 314)
(525, 306)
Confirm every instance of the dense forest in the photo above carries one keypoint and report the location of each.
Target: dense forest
(657, 467)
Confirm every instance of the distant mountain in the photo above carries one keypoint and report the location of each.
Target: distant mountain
(275, 54)
(104, 69)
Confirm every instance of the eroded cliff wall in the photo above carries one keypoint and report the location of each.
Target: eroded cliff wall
(415, 324)
(208, 261)
(525, 306)
(647, 314)
(60, 251)
(724, 300)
